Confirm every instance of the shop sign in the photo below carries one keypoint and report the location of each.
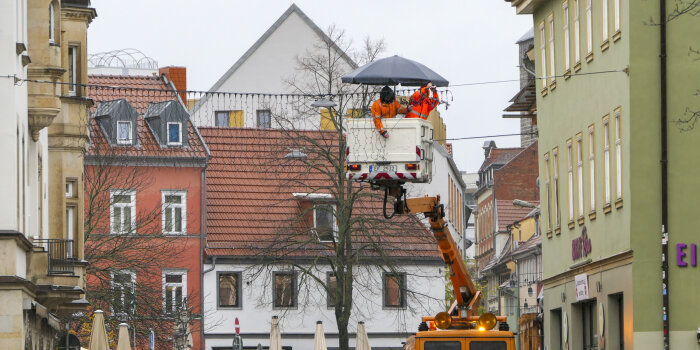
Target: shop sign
(581, 287)
(681, 255)
(581, 246)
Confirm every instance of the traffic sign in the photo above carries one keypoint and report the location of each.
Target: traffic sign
(238, 327)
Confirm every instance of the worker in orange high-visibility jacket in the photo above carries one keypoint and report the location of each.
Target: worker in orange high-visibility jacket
(421, 103)
(385, 107)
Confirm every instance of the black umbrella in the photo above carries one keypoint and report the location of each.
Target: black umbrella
(392, 71)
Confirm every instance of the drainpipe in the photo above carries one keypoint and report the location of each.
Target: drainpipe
(664, 175)
(202, 233)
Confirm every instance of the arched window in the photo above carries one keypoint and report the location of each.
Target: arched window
(52, 23)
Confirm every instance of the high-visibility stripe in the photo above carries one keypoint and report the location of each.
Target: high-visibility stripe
(419, 115)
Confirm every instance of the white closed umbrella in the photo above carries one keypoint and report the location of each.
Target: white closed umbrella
(319, 337)
(123, 339)
(361, 339)
(98, 335)
(275, 335)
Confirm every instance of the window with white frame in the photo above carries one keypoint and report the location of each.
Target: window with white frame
(616, 16)
(604, 21)
(123, 211)
(555, 192)
(618, 154)
(123, 132)
(174, 133)
(565, 29)
(123, 286)
(547, 191)
(72, 69)
(589, 28)
(570, 178)
(606, 158)
(543, 56)
(579, 173)
(52, 23)
(577, 34)
(174, 211)
(71, 210)
(324, 221)
(552, 58)
(591, 167)
(174, 290)
(70, 188)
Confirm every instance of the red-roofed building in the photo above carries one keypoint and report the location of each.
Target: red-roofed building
(259, 197)
(506, 174)
(144, 198)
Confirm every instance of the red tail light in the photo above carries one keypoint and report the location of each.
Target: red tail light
(354, 167)
(412, 166)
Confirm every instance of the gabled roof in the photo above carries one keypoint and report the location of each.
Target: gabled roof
(253, 192)
(500, 156)
(292, 9)
(530, 244)
(139, 92)
(508, 213)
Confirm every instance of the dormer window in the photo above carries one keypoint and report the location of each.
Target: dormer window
(174, 134)
(324, 222)
(124, 132)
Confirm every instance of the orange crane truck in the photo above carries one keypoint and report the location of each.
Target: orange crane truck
(460, 328)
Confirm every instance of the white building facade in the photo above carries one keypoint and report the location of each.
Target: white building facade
(448, 184)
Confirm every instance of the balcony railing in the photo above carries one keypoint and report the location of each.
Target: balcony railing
(61, 261)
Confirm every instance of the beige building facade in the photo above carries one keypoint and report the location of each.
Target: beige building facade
(41, 269)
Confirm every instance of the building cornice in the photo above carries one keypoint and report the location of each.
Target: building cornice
(19, 237)
(603, 264)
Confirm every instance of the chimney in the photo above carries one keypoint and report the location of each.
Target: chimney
(488, 146)
(177, 75)
(448, 147)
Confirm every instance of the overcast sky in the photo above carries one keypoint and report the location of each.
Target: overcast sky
(463, 40)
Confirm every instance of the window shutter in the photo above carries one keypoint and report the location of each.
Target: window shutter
(235, 119)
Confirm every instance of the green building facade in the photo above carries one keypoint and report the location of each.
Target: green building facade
(599, 118)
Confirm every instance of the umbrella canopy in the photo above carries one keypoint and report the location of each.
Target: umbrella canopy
(361, 340)
(319, 337)
(98, 336)
(394, 70)
(123, 339)
(275, 335)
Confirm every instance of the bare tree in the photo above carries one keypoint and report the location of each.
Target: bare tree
(338, 243)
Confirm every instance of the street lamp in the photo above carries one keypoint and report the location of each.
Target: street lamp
(324, 103)
(524, 204)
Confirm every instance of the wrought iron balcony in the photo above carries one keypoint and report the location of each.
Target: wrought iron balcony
(61, 257)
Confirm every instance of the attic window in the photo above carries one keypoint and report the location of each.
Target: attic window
(124, 132)
(324, 222)
(174, 134)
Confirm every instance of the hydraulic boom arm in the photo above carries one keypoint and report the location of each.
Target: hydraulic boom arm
(467, 296)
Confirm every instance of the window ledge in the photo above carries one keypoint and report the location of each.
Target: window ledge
(557, 231)
(390, 308)
(544, 91)
(617, 36)
(572, 224)
(549, 234)
(567, 74)
(605, 45)
(553, 84)
(577, 66)
(589, 57)
(618, 203)
(607, 208)
(229, 307)
(580, 221)
(591, 215)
